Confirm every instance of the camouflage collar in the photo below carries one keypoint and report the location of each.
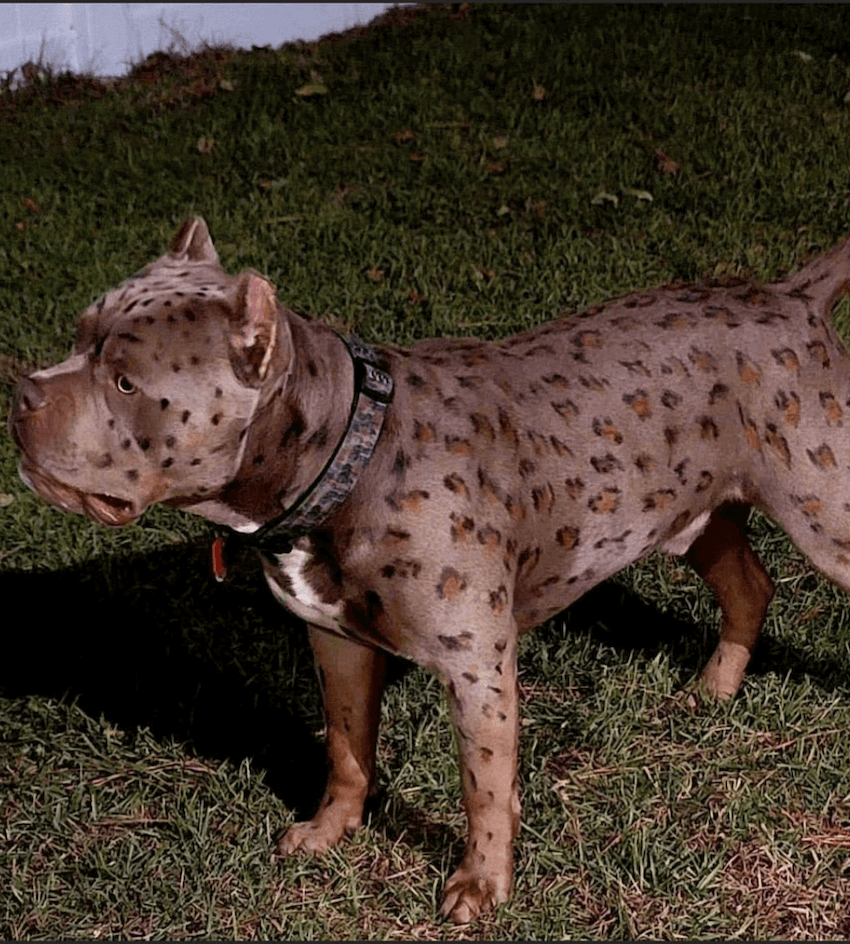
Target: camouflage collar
(373, 392)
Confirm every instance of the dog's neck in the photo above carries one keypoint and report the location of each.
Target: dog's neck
(302, 414)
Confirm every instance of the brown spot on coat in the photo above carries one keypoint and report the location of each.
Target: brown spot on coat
(458, 446)
(704, 361)
(778, 444)
(482, 426)
(639, 402)
(786, 358)
(454, 483)
(823, 457)
(451, 585)
(818, 353)
(605, 502)
(461, 529)
(568, 536)
(749, 372)
(408, 501)
(658, 500)
(566, 409)
(607, 429)
(789, 403)
(831, 408)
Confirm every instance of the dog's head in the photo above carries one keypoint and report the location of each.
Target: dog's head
(156, 400)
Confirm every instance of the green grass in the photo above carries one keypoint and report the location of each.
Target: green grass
(459, 170)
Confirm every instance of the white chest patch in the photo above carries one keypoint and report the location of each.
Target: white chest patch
(290, 588)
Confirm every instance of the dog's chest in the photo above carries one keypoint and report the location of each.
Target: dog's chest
(286, 574)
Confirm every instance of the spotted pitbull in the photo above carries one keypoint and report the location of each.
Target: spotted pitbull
(497, 482)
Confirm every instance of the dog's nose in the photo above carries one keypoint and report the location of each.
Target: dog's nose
(32, 396)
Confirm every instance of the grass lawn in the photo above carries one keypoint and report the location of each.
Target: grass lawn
(458, 170)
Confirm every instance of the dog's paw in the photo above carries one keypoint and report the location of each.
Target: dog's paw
(317, 834)
(469, 894)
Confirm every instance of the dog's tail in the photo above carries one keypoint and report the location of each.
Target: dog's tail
(825, 279)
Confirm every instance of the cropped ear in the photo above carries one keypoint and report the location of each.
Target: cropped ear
(193, 242)
(255, 329)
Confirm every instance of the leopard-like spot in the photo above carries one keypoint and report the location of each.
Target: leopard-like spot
(789, 403)
(658, 500)
(606, 464)
(561, 448)
(489, 536)
(568, 536)
(703, 361)
(543, 498)
(717, 394)
(530, 556)
(831, 408)
(639, 402)
(454, 483)
(482, 426)
(458, 446)
(587, 339)
(607, 430)
(407, 501)
(461, 528)
(786, 358)
(566, 409)
(751, 433)
(822, 457)
(450, 586)
(402, 567)
(704, 481)
(574, 488)
(778, 443)
(499, 600)
(810, 505)
(644, 463)
(636, 367)
(605, 502)
(749, 372)
(818, 353)
(707, 428)
(424, 432)
(675, 320)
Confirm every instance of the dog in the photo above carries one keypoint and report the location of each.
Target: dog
(434, 502)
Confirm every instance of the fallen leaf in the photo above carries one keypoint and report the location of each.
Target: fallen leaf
(603, 197)
(484, 272)
(226, 84)
(31, 205)
(495, 168)
(402, 137)
(205, 145)
(312, 88)
(639, 194)
(539, 93)
(806, 57)
(666, 164)
(376, 275)
(500, 141)
(416, 157)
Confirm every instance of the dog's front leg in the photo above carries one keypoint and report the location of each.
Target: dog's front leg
(352, 682)
(482, 693)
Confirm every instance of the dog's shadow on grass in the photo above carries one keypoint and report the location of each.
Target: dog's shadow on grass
(153, 641)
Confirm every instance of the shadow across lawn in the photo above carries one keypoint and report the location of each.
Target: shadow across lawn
(151, 640)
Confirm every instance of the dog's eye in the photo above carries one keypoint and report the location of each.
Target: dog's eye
(124, 384)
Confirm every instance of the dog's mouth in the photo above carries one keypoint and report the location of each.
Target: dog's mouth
(101, 507)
